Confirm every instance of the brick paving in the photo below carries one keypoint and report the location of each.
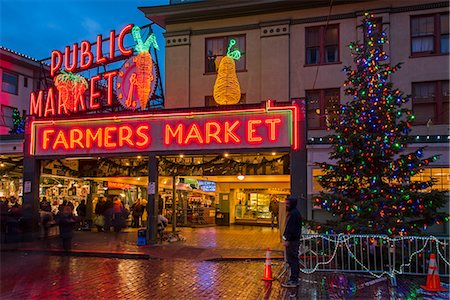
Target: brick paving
(64, 277)
(193, 269)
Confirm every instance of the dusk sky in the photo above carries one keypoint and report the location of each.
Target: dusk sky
(36, 27)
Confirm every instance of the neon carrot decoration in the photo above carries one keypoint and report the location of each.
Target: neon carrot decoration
(70, 87)
(226, 88)
(144, 65)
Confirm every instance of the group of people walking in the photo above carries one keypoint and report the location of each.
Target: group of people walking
(110, 213)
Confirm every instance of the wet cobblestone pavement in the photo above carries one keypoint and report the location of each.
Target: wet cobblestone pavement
(64, 277)
(181, 270)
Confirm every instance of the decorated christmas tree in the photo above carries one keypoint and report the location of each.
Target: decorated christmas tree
(369, 187)
(18, 122)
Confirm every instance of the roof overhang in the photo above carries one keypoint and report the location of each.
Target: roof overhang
(220, 9)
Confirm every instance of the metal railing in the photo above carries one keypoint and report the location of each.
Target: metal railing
(377, 255)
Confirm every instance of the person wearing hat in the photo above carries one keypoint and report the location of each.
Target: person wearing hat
(291, 237)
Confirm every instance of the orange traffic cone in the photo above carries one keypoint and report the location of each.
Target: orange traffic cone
(267, 267)
(433, 280)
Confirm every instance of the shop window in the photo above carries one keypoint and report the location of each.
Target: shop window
(430, 102)
(209, 101)
(10, 83)
(429, 34)
(322, 45)
(216, 49)
(440, 175)
(322, 106)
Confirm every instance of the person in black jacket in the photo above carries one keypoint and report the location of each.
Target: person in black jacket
(291, 237)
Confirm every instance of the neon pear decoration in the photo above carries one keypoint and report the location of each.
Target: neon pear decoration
(226, 88)
(144, 67)
(70, 87)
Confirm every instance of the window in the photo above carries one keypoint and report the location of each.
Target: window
(322, 45)
(377, 29)
(430, 102)
(209, 101)
(25, 82)
(322, 106)
(216, 49)
(10, 82)
(7, 116)
(429, 34)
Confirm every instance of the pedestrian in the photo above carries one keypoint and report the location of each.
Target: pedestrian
(274, 209)
(118, 217)
(108, 214)
(66, 221)
(291, 237)
(45, 205)
(99, 219)
(81, 212)
(137, 209)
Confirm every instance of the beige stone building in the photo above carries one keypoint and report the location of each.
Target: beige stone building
(297, 49)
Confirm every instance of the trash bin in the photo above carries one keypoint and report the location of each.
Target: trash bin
(142, 237)
(222, 219)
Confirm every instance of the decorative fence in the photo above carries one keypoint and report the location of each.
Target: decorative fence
(377, 255)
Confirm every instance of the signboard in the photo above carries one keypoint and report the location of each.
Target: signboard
(265, 127)
(72, 93)
(207, 186)
(118, 185)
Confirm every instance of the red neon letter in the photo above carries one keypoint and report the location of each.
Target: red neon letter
(194, 133)
(76, 139)
(61, 104)
(212, 134)
(46, 138)
(140, 131)
(108, 137)
(86, 52)
(94, 94)
(36, 104)
(169, 133)
(110, 77)
(251, 138)
(70, 68)
(112, 44)
(56, 62)
(273, 133)
(100, 58)
(229, 132)
(79, 100)
(90, 137)
(120, 41)
(61, 139)
(50, 104)
(125, 137)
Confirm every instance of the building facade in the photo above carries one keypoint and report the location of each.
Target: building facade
(297, 50)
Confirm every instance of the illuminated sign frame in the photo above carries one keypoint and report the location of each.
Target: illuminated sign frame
(268, 126)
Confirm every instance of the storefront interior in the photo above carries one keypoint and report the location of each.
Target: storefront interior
(217, 189)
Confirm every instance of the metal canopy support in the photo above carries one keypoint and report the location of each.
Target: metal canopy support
(152, 204)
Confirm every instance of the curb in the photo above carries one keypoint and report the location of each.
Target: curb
(83, 253)
(243, 258)
(128, 254)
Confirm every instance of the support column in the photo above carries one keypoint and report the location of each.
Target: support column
(152, 196)
(30, 199)
(298, 164)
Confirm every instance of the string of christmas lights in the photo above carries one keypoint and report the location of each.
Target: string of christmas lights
(342, 240)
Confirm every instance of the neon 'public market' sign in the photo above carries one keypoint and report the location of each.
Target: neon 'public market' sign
(76, 58)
